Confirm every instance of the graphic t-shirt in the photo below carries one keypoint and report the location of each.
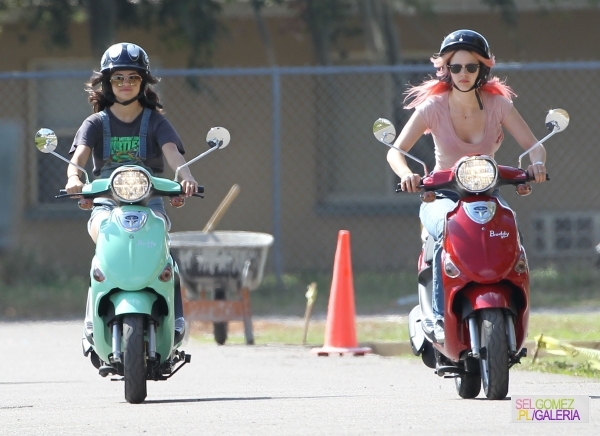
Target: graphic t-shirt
(124, 148)
(125, 141)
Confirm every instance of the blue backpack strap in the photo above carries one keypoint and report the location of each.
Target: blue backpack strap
(105, 134)
(144, 133)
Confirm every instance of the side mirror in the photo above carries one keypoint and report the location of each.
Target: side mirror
(557, 119)
(384, 131)
(218, 137)
(46, 142)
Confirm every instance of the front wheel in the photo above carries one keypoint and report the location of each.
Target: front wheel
(494, 356)
(134, 359)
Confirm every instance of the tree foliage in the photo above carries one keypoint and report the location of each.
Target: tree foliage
(195, 24)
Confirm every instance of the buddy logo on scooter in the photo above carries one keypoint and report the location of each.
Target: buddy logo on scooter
(485, 273)
(133, 276)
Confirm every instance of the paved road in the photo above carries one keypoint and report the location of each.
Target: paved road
(48, 388)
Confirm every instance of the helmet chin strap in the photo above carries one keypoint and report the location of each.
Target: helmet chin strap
(469, 90)
(112, 99)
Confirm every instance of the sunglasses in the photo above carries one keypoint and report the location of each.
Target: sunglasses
(457, 68)
(132, 79)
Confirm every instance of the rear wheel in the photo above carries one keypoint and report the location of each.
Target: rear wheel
(468, 385)
(494, 356)
(428, 355)
(134, 359)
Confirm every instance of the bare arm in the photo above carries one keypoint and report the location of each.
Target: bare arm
(80, 157)
(518, 128)
(412, 131)
(175, 160)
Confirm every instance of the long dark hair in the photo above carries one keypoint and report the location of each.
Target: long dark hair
(100, 94)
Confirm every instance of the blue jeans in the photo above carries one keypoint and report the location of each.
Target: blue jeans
(433, 218)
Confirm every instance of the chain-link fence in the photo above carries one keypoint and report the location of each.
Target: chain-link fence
(308, 165)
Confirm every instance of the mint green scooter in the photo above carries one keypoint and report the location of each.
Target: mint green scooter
(131, 303)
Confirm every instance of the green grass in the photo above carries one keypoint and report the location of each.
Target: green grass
(291, 331)
(560, 366)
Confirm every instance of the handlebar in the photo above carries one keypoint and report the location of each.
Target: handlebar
(63, 194)
(421, 186)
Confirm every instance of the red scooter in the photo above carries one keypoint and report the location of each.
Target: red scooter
(484, 272)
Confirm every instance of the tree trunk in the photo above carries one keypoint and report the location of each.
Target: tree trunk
(102, 16)
(265, 36)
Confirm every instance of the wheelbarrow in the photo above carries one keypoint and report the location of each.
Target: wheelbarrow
(218, 270)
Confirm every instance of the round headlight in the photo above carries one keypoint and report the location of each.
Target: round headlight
(477, 173)
(130, 185)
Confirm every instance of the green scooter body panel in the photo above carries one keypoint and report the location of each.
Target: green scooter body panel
(141, 302)
(132, 259)
(131, 262)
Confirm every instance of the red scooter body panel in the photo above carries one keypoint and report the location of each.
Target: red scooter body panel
(486, 253)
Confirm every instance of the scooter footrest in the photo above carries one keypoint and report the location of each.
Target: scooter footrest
(441, 370)
(105, 370)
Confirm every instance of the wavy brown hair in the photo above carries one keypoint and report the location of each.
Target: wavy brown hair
(99, 87)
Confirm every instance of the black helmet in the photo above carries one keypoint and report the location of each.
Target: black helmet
(471, 41)
(466, 40)
(125, 55)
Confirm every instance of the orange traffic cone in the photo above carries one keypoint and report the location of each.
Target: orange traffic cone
(340, 331)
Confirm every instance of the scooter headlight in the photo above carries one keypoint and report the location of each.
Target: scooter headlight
(130, 184)
(476, 173)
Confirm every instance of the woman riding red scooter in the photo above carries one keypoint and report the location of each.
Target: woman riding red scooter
(473, 273)
(465, 110)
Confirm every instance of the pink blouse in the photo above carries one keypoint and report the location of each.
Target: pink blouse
(448, 147)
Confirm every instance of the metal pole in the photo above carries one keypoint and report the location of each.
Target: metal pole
(276, 119)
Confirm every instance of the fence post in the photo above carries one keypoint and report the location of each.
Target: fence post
(276, 162)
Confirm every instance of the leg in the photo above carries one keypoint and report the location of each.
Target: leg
(433, 217)
(158, 207)
(101, 211)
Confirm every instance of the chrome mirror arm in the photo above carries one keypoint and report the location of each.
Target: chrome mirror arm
(87, 179)
(210, 150)
(555, 129)
(382, 140)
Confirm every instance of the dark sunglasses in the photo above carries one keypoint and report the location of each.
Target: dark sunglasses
(119, 79)
(457, 68)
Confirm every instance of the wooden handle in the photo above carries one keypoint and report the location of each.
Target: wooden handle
(216, 217)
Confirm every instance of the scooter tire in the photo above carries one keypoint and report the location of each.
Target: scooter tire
(428, 355)
(494, 358)
(468, 385)
(134, 359)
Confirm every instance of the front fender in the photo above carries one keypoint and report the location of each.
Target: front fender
(133, 302)
(480, 296)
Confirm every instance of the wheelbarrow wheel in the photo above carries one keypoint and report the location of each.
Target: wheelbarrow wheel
(220, 332)
(220, 328)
